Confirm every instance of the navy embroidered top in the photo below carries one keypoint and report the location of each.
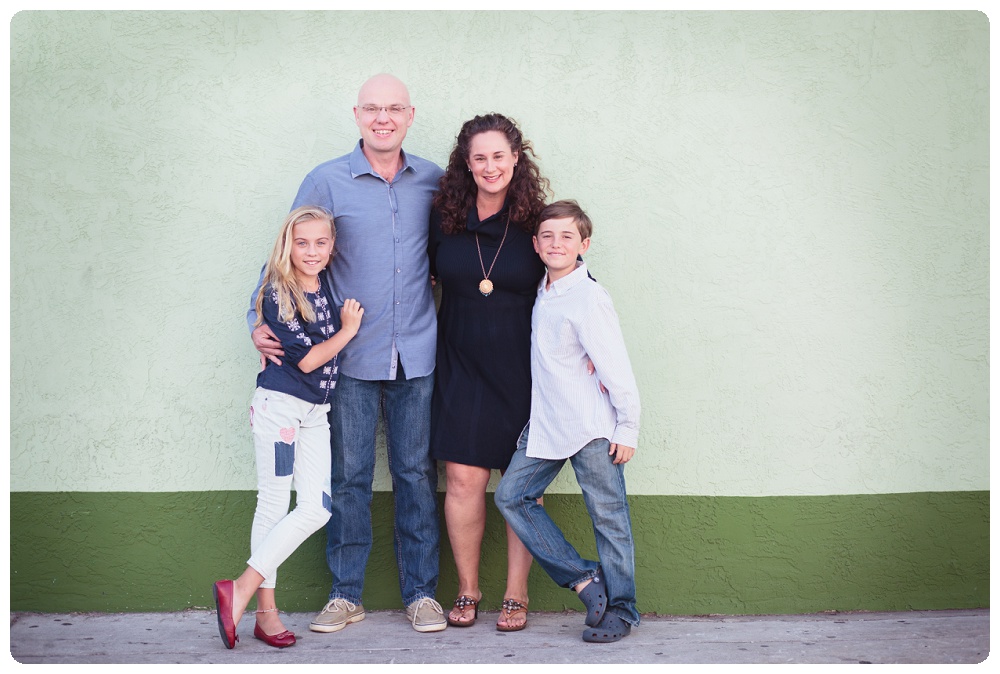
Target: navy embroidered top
(298, 336)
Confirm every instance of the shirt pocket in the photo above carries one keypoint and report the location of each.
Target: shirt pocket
(557, 337)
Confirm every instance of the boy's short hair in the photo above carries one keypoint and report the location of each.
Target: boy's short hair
(567, 208)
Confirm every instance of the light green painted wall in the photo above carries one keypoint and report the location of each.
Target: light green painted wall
(791, 213)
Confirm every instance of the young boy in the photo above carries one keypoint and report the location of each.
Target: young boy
(573, 418)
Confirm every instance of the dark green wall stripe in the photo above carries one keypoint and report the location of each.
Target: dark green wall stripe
(85, 551)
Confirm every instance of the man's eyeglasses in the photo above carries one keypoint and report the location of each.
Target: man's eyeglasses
(392, 110)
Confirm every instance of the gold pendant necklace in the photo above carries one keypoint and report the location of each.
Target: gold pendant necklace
(486, 285)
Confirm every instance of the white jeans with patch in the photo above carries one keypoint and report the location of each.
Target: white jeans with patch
(292, 441)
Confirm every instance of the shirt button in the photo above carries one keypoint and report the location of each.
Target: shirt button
(397, 271)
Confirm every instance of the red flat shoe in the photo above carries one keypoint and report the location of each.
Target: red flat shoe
(223, 592)
(283, 640)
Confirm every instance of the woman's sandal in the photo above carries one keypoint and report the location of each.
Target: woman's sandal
(610, 629)
(462, 604)
(509, 609)
(595, 598)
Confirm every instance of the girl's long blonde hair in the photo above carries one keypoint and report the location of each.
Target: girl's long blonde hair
(279, 274)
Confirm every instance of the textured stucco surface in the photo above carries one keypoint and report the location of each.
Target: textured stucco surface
(87, 551)
(791, 213)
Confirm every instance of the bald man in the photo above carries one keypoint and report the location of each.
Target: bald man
(380, 198)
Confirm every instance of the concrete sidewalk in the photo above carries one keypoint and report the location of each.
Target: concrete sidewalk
(385, 637)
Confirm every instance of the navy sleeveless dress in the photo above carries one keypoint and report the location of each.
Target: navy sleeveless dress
(482, 382)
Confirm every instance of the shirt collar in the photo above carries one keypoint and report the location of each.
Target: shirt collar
(563, 285)
(361, 166)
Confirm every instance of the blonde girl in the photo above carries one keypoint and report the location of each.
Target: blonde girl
(288, 417)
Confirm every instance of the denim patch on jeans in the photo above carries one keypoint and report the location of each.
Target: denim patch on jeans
(284, 458)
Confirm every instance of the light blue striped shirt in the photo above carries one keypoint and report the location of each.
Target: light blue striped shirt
(380, 260)
(573, 320)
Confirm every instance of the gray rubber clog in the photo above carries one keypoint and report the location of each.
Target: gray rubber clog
(595, 598)
(610, 629)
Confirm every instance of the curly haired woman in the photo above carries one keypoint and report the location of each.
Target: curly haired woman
(481, 252)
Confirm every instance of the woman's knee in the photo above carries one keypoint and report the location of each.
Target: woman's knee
(466, 482)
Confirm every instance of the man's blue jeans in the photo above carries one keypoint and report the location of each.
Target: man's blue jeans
(603, 486)
(354, 410)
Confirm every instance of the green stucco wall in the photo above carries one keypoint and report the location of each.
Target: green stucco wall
(694, 554)
(791, 212)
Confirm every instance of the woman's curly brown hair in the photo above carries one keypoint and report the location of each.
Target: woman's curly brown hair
(457, 189)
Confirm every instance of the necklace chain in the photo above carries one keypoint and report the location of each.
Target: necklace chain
(486, 285)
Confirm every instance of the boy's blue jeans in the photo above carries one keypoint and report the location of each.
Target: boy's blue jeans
(603, 486)
(354, 412)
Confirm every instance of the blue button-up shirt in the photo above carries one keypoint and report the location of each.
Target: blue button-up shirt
(380, 260)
